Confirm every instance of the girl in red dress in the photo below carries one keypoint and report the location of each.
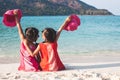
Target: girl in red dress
(50, 60)
(27, 62)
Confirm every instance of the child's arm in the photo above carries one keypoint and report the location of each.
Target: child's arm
(62, 27)
(20, 31)
(36, 51)
(22, 37)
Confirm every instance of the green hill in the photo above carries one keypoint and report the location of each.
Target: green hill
(51, 7)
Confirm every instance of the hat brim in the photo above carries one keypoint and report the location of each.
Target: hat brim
(73, 24)
(9, 18)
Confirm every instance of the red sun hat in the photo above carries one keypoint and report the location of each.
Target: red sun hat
(73, 24)
(9, 18)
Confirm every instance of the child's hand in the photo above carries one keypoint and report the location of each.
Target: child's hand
(15, 12)
(68, 19)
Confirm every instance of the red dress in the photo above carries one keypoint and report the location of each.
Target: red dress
(50, 60)
(27, 62)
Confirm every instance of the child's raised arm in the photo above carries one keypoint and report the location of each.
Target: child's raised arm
(62, 27)
(20, 31)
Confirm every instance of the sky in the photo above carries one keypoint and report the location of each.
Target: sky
(111, 5)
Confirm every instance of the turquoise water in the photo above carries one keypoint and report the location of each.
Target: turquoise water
(96, 34)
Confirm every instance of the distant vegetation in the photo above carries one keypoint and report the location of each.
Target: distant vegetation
(51, 7)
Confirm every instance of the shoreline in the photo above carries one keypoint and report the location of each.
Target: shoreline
(71, 58)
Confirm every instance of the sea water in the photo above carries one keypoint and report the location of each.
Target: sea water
(96, 34)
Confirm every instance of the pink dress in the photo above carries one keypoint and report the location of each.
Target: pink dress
(27, 62)
(50, 60)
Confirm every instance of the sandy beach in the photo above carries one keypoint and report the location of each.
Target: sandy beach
(78, 67)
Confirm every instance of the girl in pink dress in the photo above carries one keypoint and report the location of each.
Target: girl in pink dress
(27, 62)
(50, 60)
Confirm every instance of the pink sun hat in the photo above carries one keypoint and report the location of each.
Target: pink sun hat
(9, 18)
(73, 24)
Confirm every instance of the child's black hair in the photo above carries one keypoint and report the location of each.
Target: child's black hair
(50, 34)
(31, 34)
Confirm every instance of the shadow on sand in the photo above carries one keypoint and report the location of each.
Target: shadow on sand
(92, 66)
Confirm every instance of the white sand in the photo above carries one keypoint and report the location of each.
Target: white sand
(79, 67)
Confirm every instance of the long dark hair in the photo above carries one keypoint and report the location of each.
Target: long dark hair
(50, 34)
(31, 34)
